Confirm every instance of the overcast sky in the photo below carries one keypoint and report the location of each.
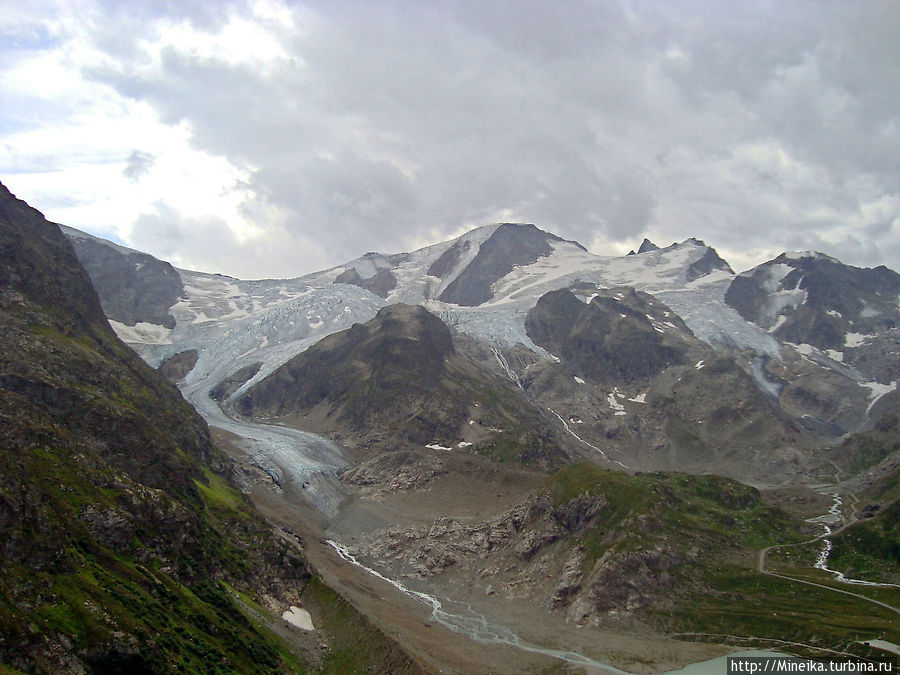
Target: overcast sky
(275, 138)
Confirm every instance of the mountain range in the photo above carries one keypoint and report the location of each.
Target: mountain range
(528, 437)
(637, 351)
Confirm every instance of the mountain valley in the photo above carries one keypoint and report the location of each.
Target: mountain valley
(504, 451)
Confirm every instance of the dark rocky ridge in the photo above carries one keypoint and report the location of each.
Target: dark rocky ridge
(448, 260)
(611, 339)
(698, 410)
(369, 376)
(706, 264)
(398, 381)
(509, 246)
(381, 283)
(43, 285)
(839, 299)
(647, 245)
(226, 387)
(177, 366)
(101, 462)
(133, 287)
(399, 353)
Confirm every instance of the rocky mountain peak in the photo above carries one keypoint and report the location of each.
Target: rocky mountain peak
(133, 287)
(511, 245)
(647, 245)
(709, 262)
(402, 349)
(812, 298)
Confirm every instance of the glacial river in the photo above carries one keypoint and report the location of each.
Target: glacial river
(312, 463)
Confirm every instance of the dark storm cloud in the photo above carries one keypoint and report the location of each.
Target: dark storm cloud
(754, 126)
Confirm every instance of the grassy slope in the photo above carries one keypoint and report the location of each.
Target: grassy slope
(718, 592)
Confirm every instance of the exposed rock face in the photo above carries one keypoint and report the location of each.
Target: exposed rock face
(224, 389)
(625, 583)
(104, 526)
(177, 366)
(635, 383)
(363, 373)
(41, 276)
(814, 299)
(510, 245)
(397, 381)
(570, 579)
(647, 245)
(381, 283)
(133, 287)
(621, 336)
(448, 260)
(397, 471)
(710, 262)
(596, 547)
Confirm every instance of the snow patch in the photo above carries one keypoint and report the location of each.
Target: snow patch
(856, 339)
(779, 322)
(877, 391)
(299, 618)
(614, 404)
(868, 311)
(805, 349)
(142, 333)
(436, 446)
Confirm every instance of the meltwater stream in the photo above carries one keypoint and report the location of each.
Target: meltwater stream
(828, 521)
(476, 626)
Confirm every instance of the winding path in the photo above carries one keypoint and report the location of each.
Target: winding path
(761, 563)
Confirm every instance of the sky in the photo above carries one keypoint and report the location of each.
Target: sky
(264, 138)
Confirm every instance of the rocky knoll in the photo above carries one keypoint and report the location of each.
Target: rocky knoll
(510, 245)
(598, 548)
(620, 336)
(633, 381)
(363, 374)
(398, 381)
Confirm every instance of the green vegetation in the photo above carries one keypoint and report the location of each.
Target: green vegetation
(704, 534)
(93, 572)
(356, 646)
(760, 607)
(715, 515)
(870, 549)
(218, 494)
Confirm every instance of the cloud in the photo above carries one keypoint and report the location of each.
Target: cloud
(342, 127)
(138, 164)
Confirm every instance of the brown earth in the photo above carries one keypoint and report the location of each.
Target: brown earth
(473, 489)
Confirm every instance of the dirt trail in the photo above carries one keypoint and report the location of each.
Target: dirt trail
(761, 561)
